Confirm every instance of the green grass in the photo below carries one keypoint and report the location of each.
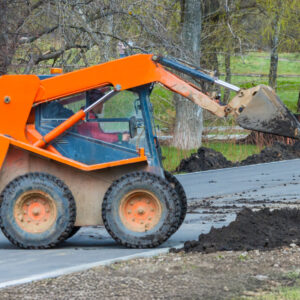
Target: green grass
(286, 293)
(259, 62)
(231, 151)
(173, 156)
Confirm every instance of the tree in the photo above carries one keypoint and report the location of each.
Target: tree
(12, 22)
(189, 123)
(279, 15)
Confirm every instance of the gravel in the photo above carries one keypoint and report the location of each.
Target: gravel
(220, 275)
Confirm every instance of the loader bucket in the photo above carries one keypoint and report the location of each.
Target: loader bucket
(265, 112)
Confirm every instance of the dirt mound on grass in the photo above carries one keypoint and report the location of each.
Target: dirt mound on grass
(277, 152)
(263, 229)
(204, 159)
(207, 159)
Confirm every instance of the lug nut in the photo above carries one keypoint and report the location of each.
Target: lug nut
(148, 201)
(149, 218)
(36, 211)
(142, 222)
(129, 212)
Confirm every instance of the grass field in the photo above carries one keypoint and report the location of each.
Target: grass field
(259, 63)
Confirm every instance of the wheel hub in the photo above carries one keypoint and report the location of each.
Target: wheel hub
(35, 211)
(140, 210)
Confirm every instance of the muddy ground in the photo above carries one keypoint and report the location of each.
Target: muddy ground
(208, 159)
(220, 275)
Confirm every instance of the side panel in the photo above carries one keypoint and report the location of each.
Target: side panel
(88, 188)
(17, 93)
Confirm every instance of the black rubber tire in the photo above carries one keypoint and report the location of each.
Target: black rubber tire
(74, 231)
(163, 191)
(180, 193)
(65, 210)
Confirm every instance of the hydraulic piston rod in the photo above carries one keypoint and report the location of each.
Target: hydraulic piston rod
(193, 72)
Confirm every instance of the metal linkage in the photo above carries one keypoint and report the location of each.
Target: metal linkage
(101, 100)
(227, 85)
(173, 64)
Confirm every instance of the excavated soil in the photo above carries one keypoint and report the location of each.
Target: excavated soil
(262, 230)
(208, 159)
(204, 159)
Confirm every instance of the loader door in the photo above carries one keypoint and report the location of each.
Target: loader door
(104, 136)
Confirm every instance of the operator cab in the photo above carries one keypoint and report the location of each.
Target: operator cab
(112, 131)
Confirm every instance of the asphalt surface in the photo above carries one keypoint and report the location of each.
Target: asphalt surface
(214, 198)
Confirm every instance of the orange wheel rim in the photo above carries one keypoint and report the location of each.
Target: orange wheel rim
(140, 210)
(35, 211)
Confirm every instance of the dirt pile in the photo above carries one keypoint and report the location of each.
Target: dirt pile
(204, 159)
(277, 152)
(207, 159)
(263, 229)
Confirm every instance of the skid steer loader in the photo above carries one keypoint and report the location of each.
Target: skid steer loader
(80, 149)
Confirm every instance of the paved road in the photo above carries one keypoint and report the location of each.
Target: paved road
(214, 198)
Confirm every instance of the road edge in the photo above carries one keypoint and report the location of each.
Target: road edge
(83, 267)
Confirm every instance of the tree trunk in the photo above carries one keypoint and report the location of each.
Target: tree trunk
(227, 76)
(188, 122)
(298, 103)
(274, 53)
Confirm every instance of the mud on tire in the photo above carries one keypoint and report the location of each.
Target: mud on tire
(180, 193)
(37, 211)
(141, 210)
